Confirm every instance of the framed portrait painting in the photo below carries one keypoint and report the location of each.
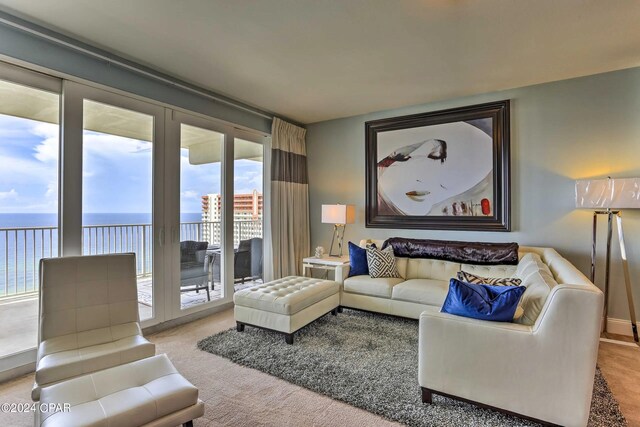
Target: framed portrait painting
(444, 170)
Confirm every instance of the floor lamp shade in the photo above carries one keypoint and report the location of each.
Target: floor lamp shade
(338, 214)
(608, 193)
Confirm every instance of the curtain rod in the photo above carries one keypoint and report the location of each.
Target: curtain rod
(86, 49)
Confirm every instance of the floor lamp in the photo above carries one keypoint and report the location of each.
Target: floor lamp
(607, 197)
(339, 216)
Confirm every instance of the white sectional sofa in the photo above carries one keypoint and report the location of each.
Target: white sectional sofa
(541, 366)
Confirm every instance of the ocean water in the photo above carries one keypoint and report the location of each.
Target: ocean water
(25, 238)
(50, 220)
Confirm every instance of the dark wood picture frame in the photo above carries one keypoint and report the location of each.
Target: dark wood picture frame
(500, 218)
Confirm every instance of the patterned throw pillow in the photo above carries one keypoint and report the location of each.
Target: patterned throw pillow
(463, 276)
(382, 263)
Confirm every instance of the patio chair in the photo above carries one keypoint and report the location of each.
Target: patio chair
(247, 261)
(194, 268)
(89, 317)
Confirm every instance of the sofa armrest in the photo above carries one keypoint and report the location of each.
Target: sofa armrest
(572, 303)
(341, 273)
(447, 340)
(476, 324)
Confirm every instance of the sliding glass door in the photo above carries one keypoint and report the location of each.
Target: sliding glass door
(198, 255)
(87, 171)
(122, 152)
(248, 210)
(29, 146)
(200, 216)
(117, 189)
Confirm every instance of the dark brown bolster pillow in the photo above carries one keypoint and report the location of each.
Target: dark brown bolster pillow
(480, 253)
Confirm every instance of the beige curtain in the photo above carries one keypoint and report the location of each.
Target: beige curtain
(289, 201)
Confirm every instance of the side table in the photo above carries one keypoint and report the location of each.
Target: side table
(326, 263)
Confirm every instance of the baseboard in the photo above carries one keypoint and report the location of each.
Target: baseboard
(16, 372)
(620, 326)
(185, 319)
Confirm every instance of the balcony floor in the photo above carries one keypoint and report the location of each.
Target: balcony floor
(19, 316)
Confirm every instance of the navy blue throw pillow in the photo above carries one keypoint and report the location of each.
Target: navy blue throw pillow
(357, 261)
(484, 302)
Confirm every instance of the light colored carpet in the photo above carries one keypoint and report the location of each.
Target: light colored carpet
(233, 395)
(371, 362)
(242, 397)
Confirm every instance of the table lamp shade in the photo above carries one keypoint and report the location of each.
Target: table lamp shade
(338, 214)
(608, 193)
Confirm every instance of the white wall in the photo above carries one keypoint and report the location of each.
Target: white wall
(561, 131)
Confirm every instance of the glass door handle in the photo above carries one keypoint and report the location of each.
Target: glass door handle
(161, 236)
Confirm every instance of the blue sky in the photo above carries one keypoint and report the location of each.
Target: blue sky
(116, 172)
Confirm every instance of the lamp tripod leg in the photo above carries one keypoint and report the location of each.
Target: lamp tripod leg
(594, 238)
(627, 279)
(337, 237)
(333, 238)
(607, 272)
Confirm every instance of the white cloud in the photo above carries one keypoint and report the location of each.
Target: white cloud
(189, 194)
(18, 169)
(113, 147)
(52, 191)
(48, 149)
(11, 194)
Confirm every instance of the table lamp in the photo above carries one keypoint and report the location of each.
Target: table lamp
(607, 197)
(339, 216)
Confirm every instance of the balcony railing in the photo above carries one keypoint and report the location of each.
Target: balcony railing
(21, 248)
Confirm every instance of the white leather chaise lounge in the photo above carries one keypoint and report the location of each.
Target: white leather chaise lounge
(88, 317)
(94, 367)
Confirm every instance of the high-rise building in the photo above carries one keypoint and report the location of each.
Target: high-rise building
(247, 216)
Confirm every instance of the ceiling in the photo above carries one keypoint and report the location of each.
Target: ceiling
(316, 60)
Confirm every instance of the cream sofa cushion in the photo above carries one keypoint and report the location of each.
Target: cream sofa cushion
(401, 265)
(529, 264)
(424, 268)
(422, 291)
(539, 281)
(365, 285)
(288, 295)
(501, 270)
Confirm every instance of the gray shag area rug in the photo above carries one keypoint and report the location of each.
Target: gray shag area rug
(370, 361)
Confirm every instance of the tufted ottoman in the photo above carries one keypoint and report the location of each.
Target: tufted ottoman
(147, 392)
(286, 305)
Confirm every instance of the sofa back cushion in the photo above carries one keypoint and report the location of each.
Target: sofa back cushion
(490, 270)
(539, 281)
(423, 268)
